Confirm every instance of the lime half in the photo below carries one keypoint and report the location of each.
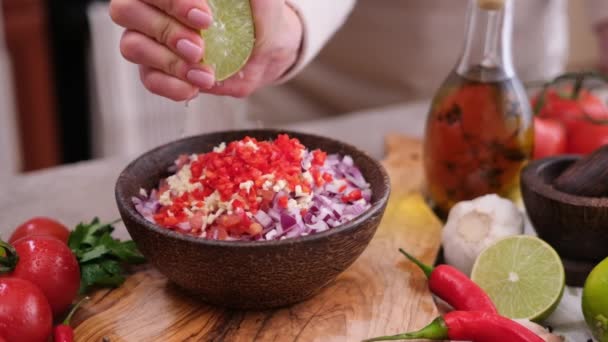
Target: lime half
(523, 276)
(230, 39)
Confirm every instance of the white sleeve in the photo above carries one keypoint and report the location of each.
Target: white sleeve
(320, 20)
(597, 10)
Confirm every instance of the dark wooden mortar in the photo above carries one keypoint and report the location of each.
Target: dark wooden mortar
(576, 226)
(248, 275)
(588, 176)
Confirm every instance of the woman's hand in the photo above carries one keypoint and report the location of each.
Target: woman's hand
(162, 37)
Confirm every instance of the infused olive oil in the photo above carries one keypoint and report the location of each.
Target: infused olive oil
(479, 130)
(479, 137)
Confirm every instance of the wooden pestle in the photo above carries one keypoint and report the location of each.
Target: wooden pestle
(586, 177)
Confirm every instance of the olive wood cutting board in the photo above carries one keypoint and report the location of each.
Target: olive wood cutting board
(379, 294)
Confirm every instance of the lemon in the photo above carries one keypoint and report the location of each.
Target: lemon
(595, 301)
(523, 276)
(230, 40)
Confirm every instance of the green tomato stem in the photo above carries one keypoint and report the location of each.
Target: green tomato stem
(578, 85)
(9, 259)
(540, 102)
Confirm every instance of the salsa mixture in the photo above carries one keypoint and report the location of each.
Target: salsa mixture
(257, 190)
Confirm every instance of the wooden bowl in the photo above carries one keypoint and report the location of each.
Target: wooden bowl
(576, 226)
(248, 275)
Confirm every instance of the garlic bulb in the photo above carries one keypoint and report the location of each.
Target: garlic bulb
(474, 225)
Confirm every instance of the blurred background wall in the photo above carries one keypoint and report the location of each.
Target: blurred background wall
(583, 45)
(65, 87)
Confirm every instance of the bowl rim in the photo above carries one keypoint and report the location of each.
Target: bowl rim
(123, 203)
(531, 179)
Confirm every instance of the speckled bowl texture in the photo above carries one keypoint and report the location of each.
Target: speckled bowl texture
(576, 226)
(248, 275)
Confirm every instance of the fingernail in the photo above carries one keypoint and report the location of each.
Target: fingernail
(200, 78)
(192, 52)
(199, 18)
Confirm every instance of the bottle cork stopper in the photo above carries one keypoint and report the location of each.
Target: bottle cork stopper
(491, 5)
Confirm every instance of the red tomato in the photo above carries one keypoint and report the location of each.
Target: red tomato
(25, 314)
(565, 109)
(585, 136)
(549, 138)
(41, 226)
(51, 265)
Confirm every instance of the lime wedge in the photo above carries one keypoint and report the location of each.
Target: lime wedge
(523, 276)
(230, 39)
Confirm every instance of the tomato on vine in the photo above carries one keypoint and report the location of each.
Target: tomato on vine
(25, 313)
(49, 264)
(41, 226)
(569, 119)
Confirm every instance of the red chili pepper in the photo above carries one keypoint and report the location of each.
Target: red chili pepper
(352, 196)
(472, 326)
(283, 200)
(64, 332)
(454, 287)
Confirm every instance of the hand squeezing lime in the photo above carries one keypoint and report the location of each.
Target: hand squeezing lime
(595, 301)
(230, 39)
(523, 276)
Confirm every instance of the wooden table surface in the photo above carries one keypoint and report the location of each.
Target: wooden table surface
(75, 192)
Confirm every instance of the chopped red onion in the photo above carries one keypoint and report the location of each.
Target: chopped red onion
(287, 221)
(263, 218)
(325, 211)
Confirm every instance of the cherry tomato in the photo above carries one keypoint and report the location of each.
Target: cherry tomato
(585, 136)
(51, 265)
(25, 314)
(549, 138)
(41, 226)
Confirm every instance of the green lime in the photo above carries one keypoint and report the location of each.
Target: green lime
(230, 39)
(523, 276)
(595, 301)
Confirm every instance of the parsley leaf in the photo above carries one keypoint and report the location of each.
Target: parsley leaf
(88, 234)
(93, 253)
(126, 250)
(96, 275)
(102, 258)
(76, 236)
